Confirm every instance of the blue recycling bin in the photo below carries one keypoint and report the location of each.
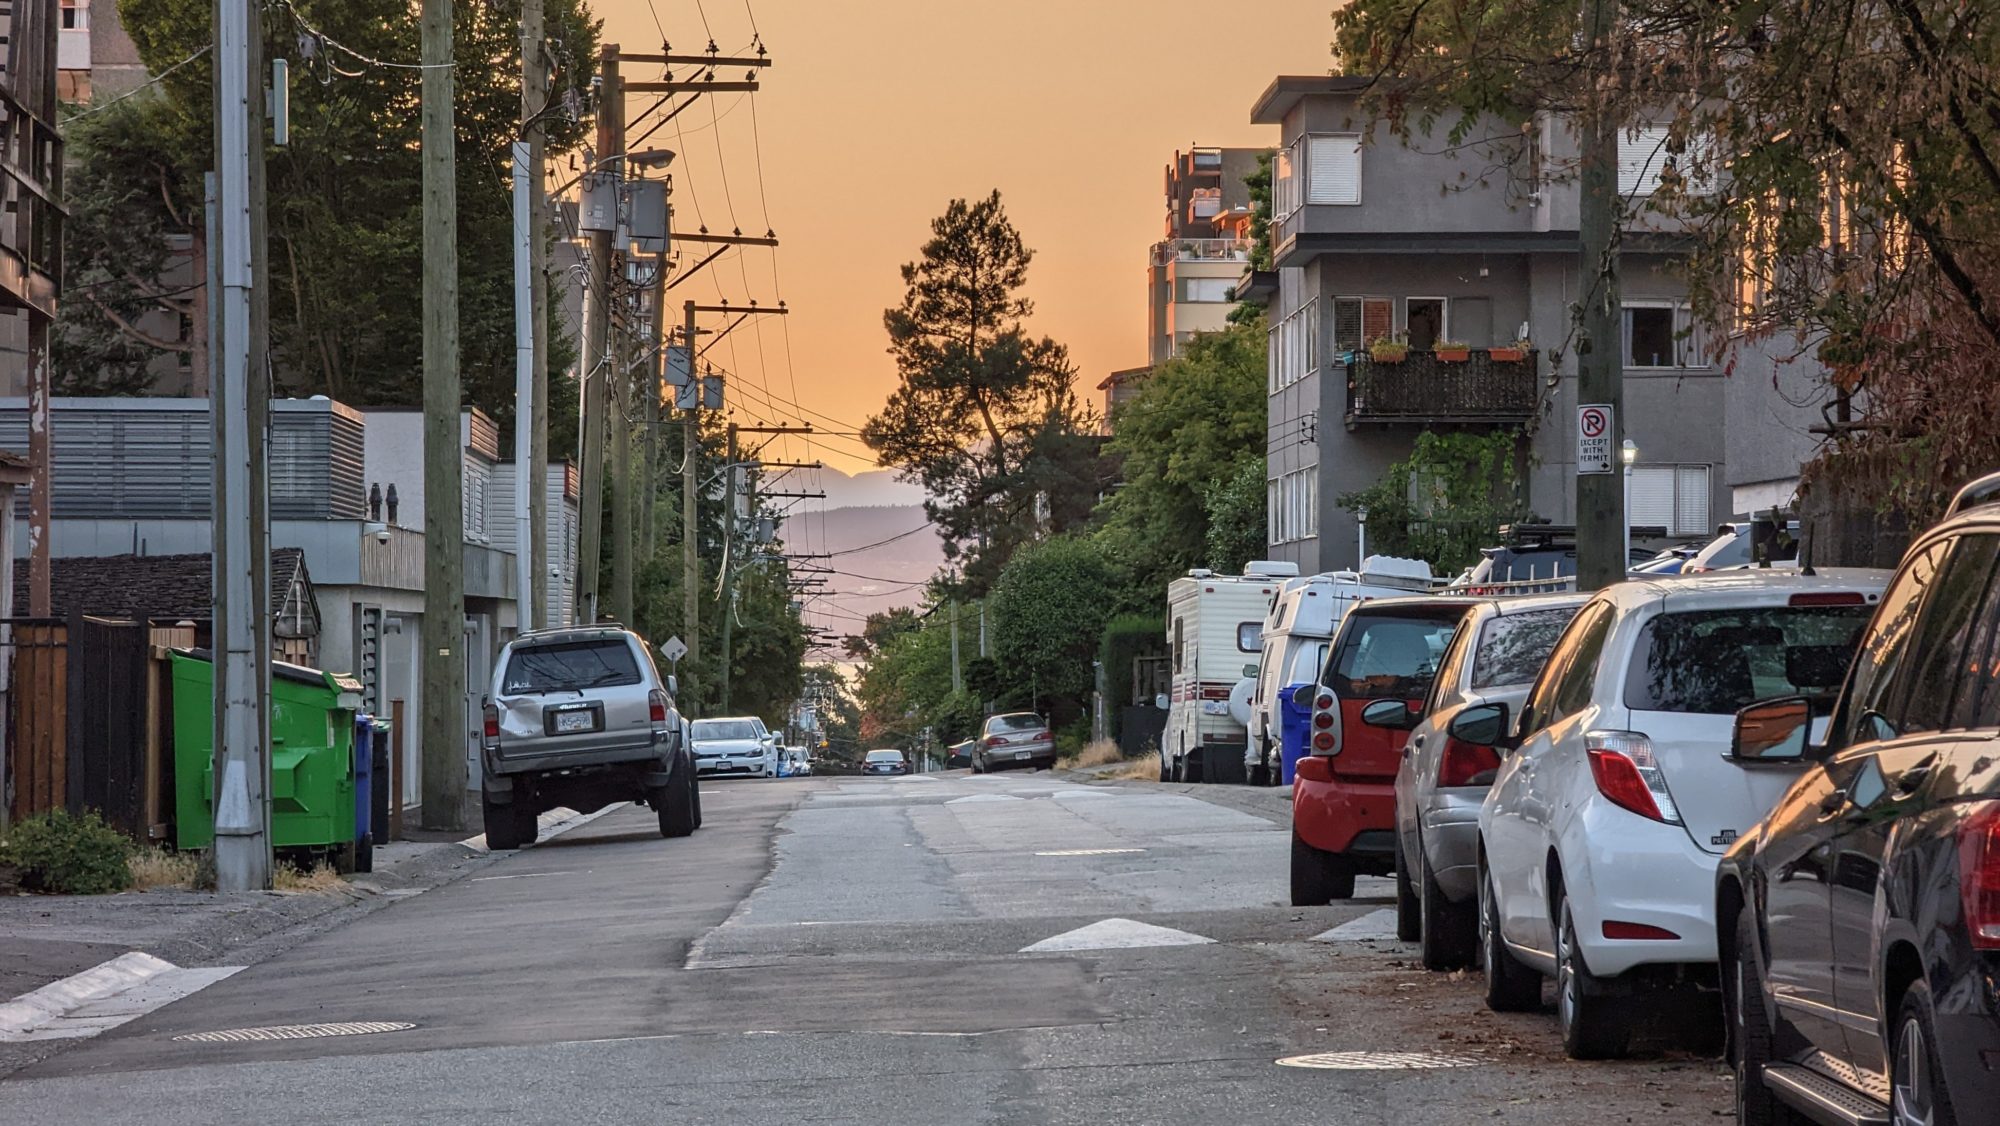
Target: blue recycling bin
(1293, 730)
(364, 790)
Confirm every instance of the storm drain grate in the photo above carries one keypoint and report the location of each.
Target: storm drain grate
(1378, 1061)
(297, 1031)
(1089, 851)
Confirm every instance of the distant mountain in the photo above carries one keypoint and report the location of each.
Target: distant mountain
(881, 556)
(871, 488)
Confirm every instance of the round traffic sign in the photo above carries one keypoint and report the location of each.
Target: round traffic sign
(1592, 421)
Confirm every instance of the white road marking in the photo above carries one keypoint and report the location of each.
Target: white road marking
(1374, 926)
(520, 876)
(982, 798)
(103, 997)
(1116, 934)
(1086, 851)
(1378, 1061)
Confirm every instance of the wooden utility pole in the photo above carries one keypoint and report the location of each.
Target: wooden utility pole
(624, 507)
(690, 545)
(446, 731)
(655, 365)
(726, 603)
(534, 102)
(1600, 372)
(596, 364)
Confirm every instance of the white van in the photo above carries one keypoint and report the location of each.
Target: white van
(1304, 613)
(1215, 627)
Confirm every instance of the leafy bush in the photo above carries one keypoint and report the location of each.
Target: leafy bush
(69, 855)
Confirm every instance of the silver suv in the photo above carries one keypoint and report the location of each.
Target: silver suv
(579, 718)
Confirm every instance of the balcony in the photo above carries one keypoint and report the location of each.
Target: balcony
(1425, 390)
(1201, 250)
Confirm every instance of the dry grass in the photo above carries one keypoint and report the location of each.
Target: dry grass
(322, 877)
(1104, 752)
(157, 868)
(1138, 770)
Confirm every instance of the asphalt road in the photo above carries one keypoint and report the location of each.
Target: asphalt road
(855, 950)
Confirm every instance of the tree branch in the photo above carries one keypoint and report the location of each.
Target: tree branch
(132, 331)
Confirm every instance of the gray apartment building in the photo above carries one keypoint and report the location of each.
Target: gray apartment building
(1477, 244)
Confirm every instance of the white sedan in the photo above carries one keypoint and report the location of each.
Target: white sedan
(1618, 795)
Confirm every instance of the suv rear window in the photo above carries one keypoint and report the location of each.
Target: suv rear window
(1513, 648)
(570, 666)
(1713, 662)
(1391, 658)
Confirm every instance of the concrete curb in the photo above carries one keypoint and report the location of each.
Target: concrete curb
(32, 1010)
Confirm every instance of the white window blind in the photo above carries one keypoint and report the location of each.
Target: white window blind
(1333, 169)
(1285, 184)
(1674, 497)
(1691, 500)
(1642, 152)
(1208, 289)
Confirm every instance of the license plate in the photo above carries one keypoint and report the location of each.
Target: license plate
(1020, 754)
(568, 722)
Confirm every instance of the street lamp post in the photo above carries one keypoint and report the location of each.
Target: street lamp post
(1628, 453)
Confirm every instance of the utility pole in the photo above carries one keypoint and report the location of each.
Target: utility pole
(957, 681)
(534, 102)
(1600, 373)
(444, 724)
(655, 366)
(239, 408)
(624, 510)
(690, 553)
(596, 363)
(527, 611)
(727, 600)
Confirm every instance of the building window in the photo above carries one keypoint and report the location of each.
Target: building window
(1207, 290)
(1426, 321)
(1661, 334)
(73, 18)
(1292, 506)
(1648, 151)
(1284, 184)
(1359, 320)
(1333, 167)
(1674, 497)
(1294, 349)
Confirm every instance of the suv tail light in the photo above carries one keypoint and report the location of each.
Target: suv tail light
(1466, 764)
(658, 701)
(1622, 762)
(492, 720)
(1979, 875)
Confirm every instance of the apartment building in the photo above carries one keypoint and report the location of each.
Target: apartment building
(95, 58)
(1190, 271)
(1474, 244)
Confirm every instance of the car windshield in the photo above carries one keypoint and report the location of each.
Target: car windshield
(1513, 647)
(1021, 721)
(885, 756)
(725, 729)
(1713, 662)
(1391, 657)
(569, 667)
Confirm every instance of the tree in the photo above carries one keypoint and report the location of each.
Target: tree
(1049, 610)
(1196, 422)
(1236, 521)
(1445, 501)
(985, 417)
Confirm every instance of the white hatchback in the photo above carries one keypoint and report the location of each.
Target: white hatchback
(1618, 794)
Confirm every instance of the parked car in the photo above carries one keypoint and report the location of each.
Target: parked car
(1494, 657)
(885, 761)
(959, 754)
(735, 745)
(1617, 796)
(802, 763)
(1014, 739)
(1731, 548)
(1859, 924)
(1344, 795)
(1536, 558)
(1668, 562)
(580, 718)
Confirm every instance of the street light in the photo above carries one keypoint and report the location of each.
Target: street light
(1628, 453)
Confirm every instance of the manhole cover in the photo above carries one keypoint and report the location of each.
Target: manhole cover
(297, 1031)
(1378, 1061)
(1089, 851)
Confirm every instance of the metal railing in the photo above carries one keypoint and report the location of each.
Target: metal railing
(1202, 250)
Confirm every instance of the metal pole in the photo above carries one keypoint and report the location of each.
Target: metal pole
(1627, 522)
(690, 555)
(242, 770)
(527, 612)
(597, 363)
(534, 99)
(1599, 365)
(446, 730)
(623, 511)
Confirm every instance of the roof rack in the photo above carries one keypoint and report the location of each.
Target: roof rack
(1522, 535)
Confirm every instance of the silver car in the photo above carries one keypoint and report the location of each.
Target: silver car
(1014, 739)
(735, 745)
(1494, 657)
(580, 718)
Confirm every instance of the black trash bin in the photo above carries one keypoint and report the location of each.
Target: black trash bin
(379, 782)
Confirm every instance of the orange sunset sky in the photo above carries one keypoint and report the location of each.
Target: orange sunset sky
(876, 113)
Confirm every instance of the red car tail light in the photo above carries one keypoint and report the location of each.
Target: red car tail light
(995, 740)
(1615, 929)
(1041, 737)
(1323, 742)
(1627, 773)
(1324, 703)
(1323, 720)
(1466, 764)
(658, 709)
(1979, 875)
(492, 721)
(1828, 598)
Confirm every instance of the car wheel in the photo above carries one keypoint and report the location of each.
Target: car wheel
(1260, 775)
(1318, 877)
(694, 797)
(503, 826)
(1409, 923)
(1450, 930)
(1751, 1033)
(675, 803)
(1917, 1095)
(1510, 986)
(1192, 768)
(1592, 1026)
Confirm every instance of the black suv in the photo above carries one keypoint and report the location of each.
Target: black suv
(1859, 923)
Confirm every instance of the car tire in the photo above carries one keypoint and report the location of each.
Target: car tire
(694, 796)
(1750, 1034)
(1318, 877)
(503, 825)
(1592, 1024)
(1510, 986)
(528, 820)
(1916, 1080)
(1165, 774)
(1193, 768)
(1260, 775)
(1450, 931)
(675, 803)
(1409, 923)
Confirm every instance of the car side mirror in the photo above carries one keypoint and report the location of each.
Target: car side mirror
(1394, 715)
(1302, 696)
(1772, 730)
(1482, 725)
(673, 685)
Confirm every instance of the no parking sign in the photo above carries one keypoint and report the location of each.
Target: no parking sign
(1593, 438)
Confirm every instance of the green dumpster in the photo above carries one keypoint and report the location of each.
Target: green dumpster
(312, 754)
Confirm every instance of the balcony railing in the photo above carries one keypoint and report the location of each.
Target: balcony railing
(1201, 250)
(1425, 389)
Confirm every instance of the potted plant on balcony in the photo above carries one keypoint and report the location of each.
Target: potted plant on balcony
(1512, 353)
(1452, 351)
(1388, 350)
